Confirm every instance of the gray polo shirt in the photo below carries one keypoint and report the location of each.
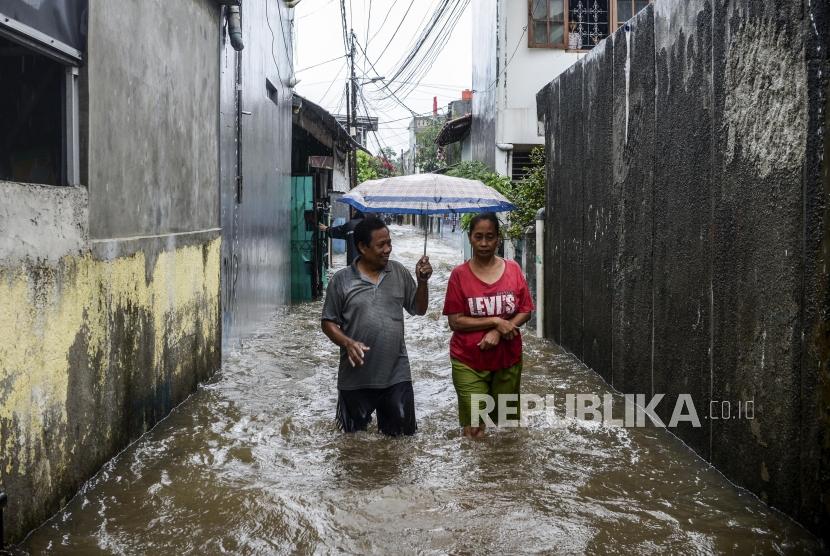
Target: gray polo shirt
(372, 314)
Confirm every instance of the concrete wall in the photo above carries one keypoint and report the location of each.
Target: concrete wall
(687, 233)
(152, 124)
(256, 246)
(109, 292)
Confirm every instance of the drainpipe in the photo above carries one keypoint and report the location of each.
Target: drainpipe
(4, 499)
(507, 149)
(540, 273)
(235, 28)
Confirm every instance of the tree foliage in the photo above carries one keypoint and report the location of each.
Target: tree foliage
(528, 194)
(373, 167)
(428, 156)
(475, 170)
(366, 167)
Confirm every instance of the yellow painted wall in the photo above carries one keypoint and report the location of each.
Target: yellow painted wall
(92, 353)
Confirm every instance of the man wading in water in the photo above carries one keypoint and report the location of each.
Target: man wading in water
(363, 314)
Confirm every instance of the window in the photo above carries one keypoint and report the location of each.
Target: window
(626, 9)
(38, 107)
(30, 106)
(587, 21)
(547, 23)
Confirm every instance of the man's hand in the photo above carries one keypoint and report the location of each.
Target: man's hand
(490, 340)
(423, 270)
(322, 227)
(355, 351)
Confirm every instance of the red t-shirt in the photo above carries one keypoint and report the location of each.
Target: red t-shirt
(467, 294)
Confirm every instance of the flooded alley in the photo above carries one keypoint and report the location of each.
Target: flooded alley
(253, 463)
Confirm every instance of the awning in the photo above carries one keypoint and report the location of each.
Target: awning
(454, 130)
(321, 124)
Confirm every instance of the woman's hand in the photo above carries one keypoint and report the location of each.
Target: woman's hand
(490, 340)
(506, 328)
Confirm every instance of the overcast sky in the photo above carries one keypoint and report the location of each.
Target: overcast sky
(319, 38)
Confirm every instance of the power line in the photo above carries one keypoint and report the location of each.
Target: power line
(515, 49)
(436, 34)
(320, 9)
(333, 81)
(282, 31)
(382, 23)
(345, 28)
(378, 75)
(368, 25)
(320, 64)
(398, 28)
(273, 40)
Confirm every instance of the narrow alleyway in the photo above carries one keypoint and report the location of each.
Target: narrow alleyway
(253, 463)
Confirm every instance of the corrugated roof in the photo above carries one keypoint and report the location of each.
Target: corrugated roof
(454, 130)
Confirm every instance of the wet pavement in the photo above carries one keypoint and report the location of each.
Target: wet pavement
(253, 463)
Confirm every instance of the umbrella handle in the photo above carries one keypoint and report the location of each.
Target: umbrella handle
(426, 232)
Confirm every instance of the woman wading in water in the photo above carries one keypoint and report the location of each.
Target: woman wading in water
(487, 301)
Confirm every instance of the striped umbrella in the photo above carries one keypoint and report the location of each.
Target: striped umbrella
(425, 194)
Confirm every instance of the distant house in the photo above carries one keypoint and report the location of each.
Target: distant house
(416, 125)
(519, 47)
(454, 137)
(320, 148)
(362, 126)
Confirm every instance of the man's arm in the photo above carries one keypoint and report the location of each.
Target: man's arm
(421, 298)
(423, 271)
(354, 349)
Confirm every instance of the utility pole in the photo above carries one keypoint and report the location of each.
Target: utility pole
(353, 111)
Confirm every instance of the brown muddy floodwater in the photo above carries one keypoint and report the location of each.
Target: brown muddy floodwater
(253, 464)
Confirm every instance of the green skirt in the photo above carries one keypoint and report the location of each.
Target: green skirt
(469, 382)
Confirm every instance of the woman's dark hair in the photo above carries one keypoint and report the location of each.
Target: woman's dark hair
(491, 216)
(363, 230)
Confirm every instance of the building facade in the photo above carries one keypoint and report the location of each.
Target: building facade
(255, 171)
(140, 178)
(518, 47)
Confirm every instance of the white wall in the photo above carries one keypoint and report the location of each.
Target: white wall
(529, 70)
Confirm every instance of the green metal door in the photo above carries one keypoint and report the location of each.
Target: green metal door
(302, 238)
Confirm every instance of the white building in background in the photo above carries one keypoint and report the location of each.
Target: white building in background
(518, 47)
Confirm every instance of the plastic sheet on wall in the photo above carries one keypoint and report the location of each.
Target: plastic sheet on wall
(63, 20)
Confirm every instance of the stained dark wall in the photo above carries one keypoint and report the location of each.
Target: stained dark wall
(485, 72)
(687, 230)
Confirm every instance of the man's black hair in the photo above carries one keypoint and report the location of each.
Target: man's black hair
(491, 216)
(363, 231)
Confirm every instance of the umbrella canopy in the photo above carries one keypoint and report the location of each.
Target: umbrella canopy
(425, 194)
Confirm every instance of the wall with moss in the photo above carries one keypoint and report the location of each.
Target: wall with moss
(93, 352)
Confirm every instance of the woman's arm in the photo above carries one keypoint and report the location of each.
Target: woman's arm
(519, 319)
(461, 323)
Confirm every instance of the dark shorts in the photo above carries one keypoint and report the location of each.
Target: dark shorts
(395, 407)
